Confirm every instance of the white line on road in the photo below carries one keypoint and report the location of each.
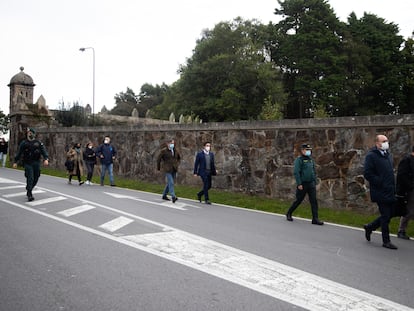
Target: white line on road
(116, 224)
(263, 275)
(76, 210)
(8, 181)
(20, 194)
(178, 206)
(12, 187)
(47, 200)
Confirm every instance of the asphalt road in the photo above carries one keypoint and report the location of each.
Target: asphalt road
(106, 248)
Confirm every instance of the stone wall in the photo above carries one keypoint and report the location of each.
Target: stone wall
(253, 157)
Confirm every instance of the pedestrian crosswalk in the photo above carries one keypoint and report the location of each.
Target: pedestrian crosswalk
(61, 205)
(11, 190)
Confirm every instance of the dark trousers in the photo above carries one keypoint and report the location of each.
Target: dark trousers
(383, 220)
(310, 190)
(89, 167)
(77, 171)
(32, 173)
(206, 186)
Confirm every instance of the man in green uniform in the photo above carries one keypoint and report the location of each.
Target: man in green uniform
(305, 175)
(30, 150)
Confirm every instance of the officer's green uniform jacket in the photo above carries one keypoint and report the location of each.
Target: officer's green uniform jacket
(304, 170)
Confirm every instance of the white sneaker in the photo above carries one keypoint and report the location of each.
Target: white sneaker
(87, 182)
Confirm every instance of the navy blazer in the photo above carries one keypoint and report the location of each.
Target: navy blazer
(200, 164)
(378, 170)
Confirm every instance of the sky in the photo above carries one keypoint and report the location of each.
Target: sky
(134, 42)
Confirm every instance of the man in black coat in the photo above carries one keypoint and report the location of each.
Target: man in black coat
(378, 170)
(405, 187)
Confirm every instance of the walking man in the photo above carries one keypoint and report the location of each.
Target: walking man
(305, 176)
(169, 160)
(106, 152)
(405, 187)
(205, 167)
(30, 150)
(378, 170)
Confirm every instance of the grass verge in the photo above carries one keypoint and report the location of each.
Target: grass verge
(342, 217)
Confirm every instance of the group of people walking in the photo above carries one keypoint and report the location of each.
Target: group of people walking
(378, 171)
(384, 189)
(77, 159)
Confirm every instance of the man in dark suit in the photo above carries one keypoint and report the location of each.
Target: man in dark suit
(378, 170)
(205, 167)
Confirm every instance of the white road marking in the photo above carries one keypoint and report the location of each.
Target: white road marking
(20, 194)
(45, 201)
(116, 224)
(269, 277)
(8, 181)
(178, 206)
(266, 276)
(76, 210)
(12, 187)
(166, 204)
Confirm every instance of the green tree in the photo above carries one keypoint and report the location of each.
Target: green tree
(380, 91)
(125, 102)
(150, 97)
(408, 73)
(4, 122)
(229, 75)
(307, 45)
(72, 115)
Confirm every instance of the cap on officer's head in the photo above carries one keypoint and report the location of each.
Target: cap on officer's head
(30, 129)
(306, 146)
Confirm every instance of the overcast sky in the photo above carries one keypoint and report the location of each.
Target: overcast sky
(135, 42)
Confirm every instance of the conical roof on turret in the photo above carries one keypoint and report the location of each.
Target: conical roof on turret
(22, 79)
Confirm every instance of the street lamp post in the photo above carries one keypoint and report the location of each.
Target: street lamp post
(93, 81)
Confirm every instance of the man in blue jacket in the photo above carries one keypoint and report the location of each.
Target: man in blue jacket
(205, 167)
(378, 170)
(106, 152)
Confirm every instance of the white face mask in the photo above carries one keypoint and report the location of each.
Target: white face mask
(207, 148)
(106, 141)
(308, 153)
(385, 145)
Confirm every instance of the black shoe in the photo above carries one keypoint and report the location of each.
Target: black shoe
(199, 197)
(389, 245)
(174, 199)
(113, 185)
(403, 235)
(289, 217)
(164, 197)
(368, 232)
(317, 222)
(30, 197)
(208, 202)
(81, 183)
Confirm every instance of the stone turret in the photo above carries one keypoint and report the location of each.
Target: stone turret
(24, 112)
(21, 92)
